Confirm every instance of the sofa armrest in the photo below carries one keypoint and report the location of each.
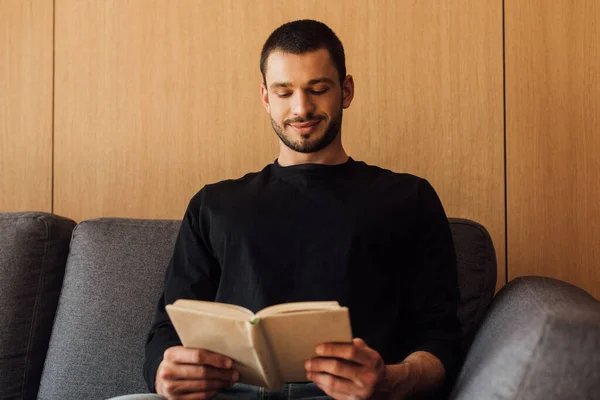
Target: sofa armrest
(540, 339)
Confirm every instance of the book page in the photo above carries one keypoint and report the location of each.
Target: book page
(212, 307)
(294, 336)
(220, 334)
(270, 370)
(296, 307)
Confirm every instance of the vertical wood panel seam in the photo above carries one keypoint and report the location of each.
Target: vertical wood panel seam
(505, 164)
(53, 100)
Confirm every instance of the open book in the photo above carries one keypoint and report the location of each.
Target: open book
(269, 347)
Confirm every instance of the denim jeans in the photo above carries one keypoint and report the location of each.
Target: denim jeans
(289, 391)
(240, 391)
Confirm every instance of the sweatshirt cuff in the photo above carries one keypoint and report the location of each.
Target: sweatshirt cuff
(153, 359)
(446, 353)
(150, 368)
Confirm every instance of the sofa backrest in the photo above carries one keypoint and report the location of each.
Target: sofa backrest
(477, 274)
(33, 253)
(113, 280)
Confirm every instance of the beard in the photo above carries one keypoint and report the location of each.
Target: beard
(306, 145)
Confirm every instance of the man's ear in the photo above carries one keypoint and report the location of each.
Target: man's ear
(264, 93)
(347, 91)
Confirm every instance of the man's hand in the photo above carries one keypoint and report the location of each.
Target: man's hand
(193, 374)
(347, 370)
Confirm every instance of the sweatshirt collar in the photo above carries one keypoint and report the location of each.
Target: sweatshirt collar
(311, 169)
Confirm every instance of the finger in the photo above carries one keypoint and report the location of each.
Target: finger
(182, 355)
(334, 366)
(171, 371)
(330, 384)
(340, 388)
(347, 351)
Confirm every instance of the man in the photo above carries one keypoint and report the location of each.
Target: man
(316, 225)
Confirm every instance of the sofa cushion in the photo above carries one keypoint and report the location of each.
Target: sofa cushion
(476, 263)
(33, 252)
(540, 340)
(113, 280)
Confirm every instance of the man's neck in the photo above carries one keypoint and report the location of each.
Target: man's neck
(329, 156)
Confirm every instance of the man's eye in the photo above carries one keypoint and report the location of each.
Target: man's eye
(319, 92)
(283, 95)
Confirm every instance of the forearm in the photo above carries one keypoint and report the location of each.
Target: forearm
(420, 375)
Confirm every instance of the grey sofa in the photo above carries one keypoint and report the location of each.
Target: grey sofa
(539, 338)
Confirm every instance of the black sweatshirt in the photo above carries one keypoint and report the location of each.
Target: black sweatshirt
(376, 241)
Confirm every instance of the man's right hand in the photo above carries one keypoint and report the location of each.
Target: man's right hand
(193, 373)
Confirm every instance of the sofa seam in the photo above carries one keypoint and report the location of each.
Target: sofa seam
(475, 225)
(481, 311)
(537, 299)
(114, 222)
(34, 215)
(35, 306)
(535, 355)
(547, 317)
(478, 312)
(149, 226)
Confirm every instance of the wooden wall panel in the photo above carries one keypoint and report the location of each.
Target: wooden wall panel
(553, 140)
(25, 105)
(155, 99)
(429, 100)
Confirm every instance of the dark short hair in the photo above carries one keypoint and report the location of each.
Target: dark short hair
(302, 36)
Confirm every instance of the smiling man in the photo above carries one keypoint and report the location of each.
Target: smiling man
(316, 225)
(305, 98)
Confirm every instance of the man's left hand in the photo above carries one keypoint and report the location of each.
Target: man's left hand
(350, 371)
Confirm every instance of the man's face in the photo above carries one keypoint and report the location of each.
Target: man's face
(304, 99)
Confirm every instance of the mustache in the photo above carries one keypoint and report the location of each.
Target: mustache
(298, 120)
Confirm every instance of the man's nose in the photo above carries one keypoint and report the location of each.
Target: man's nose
(303, 104)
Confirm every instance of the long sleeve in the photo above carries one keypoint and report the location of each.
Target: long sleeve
(433, 287)
(192, 273)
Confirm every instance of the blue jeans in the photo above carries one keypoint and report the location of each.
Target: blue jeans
(240, 391)
(289, 391)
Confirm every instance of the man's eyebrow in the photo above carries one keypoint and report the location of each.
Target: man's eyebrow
(278, 84)
(320, 80)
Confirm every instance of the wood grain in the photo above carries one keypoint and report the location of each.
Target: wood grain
(25, 105)
(156, 98)
(553, 140)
